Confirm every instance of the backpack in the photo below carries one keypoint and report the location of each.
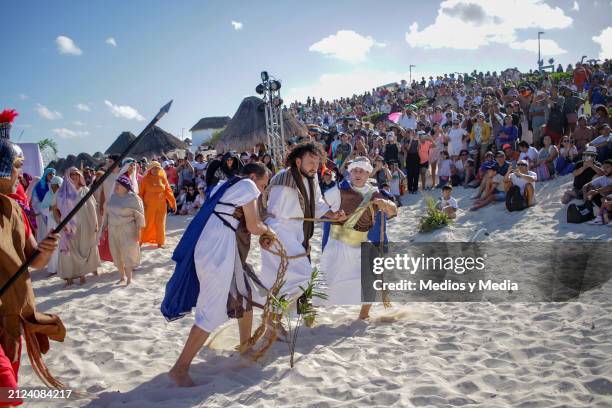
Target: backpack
(577, 214)
(515, 200)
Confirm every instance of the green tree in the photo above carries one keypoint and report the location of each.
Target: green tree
(47, 144)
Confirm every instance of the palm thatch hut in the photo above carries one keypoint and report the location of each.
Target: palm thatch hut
(119, 145)
(248, 127)
(154, 143)
(80, 161)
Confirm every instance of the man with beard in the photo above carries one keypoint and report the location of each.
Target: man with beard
(341, 259)
(292, 200)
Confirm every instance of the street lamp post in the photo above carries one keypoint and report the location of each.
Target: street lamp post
(539, 53)
(410, 69)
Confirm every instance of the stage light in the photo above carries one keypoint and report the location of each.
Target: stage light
(264, 76)
(275, 85)
(277, 102)
(260, 89)
(551, 61)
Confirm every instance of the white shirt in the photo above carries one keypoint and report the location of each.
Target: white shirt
(450, 202)
(531, 154)
(601, 181)
(521, 182)
(456, 144)
(408, 122)
(199, 166)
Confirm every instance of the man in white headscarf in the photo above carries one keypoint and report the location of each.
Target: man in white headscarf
(341, 260)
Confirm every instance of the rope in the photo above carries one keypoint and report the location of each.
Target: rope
(268, 314)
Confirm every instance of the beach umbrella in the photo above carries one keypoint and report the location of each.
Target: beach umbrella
(394, 117)
(96, 185)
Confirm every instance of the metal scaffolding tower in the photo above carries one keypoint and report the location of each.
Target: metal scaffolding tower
(272, 103)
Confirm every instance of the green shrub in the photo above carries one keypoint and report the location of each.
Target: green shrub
(434, 218)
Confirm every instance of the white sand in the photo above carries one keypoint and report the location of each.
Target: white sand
(118, 346)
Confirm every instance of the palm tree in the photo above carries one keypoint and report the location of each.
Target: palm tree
(48, 150)
(47, 143)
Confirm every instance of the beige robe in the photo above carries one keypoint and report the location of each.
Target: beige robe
(82, 256)
(124, 217)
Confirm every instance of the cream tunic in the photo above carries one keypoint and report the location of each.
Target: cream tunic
(124, 217)
(82, 256)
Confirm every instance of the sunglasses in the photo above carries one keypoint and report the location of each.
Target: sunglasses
(522, 165)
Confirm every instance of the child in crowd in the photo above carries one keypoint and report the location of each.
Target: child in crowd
(397, 178)
(444, 169)
(448, 204)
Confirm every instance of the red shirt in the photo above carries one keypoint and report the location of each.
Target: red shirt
(172, 175)
(580, 76)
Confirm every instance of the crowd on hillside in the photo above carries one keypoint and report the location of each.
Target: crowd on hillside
(499, 134)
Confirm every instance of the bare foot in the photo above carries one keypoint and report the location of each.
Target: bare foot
(121, 280)
(95, 273)
(68, 283)
(128, 282)
(160, 246)
(82, 280)
(181, 378)
(364, 316)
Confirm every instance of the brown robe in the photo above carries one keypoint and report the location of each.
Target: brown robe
(18, 307)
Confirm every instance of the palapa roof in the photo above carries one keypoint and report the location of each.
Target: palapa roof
(81, 160)
(119, 145)
(248, 127)
(156, 142)
(212, 122)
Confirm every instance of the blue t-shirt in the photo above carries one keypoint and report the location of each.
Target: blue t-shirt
(502, 169)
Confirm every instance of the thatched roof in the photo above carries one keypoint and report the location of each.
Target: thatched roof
(248, 127)
(119, 145)
(213, 122)
(155, 143)
(81, 160)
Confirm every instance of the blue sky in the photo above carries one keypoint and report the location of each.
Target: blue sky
(83, 72)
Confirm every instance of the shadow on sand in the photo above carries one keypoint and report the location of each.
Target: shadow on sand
(227, 373)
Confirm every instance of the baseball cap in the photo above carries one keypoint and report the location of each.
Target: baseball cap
(590, 150)
(522, 162)
(506, 146)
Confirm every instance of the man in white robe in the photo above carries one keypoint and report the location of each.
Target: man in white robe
(294, 194)
(341, 259)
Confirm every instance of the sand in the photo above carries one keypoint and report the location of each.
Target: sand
(118, 346)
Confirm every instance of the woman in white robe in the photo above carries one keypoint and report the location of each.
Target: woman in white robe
(78, 240)
(47, 210)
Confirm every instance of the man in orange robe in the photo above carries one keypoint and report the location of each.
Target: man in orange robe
(155, 191)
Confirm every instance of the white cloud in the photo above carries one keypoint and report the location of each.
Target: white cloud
(124, 111)
(335, 86)
(471, 24)
(78, 123)
(83, 107)
(346, 45)
(23, 97)
(65, 45)
(111, 41)
(47, 113)
(604, 39)
(548, 47)
(237, 25)
(69, 134)
(576, 6)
